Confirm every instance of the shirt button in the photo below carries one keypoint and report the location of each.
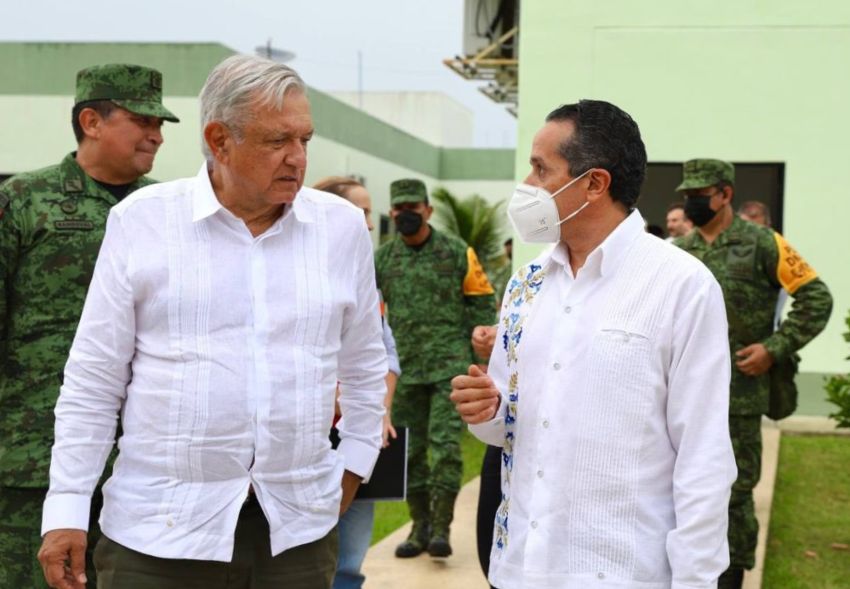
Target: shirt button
(601, 575)
(556, 366)
(546, 423)
(534, 525)
(169, 523)
(540, 474)
(568, 309)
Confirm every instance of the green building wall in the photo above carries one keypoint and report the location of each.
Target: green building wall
(36, 95)
(745, 81)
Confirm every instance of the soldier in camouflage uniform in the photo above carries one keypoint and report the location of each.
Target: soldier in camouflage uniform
(436, 291)
(51, 224)
(752, 265)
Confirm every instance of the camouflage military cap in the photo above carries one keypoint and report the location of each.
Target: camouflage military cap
(133, 87)
(407, 190)
(700, 173)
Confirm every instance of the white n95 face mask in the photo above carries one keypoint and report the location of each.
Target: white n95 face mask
(534, 214)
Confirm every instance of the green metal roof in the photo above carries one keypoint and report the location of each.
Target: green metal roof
(50, 69)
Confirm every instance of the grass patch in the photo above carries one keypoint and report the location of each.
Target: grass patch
(811, 512)
(391, 515)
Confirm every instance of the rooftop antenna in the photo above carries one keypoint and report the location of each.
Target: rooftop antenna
(273, 53)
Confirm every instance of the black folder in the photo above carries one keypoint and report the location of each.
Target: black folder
(389, 479)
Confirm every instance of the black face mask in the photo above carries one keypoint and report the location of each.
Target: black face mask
(408, 222)
(698, 209)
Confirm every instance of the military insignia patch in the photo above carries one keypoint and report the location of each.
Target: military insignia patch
(69, 207)
(73, 225)
(73, 185)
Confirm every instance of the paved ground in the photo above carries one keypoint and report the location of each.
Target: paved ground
(461, 570)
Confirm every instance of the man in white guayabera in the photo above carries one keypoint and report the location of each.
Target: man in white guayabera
(218, 323)
(608, 386)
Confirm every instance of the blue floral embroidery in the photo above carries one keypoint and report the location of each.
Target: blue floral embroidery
(523, 287)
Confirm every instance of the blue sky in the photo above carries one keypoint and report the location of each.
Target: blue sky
(402, 42)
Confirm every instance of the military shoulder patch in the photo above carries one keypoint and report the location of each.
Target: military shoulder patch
(792, 271)
(475, 282)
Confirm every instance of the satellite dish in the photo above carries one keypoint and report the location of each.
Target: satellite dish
(273, 53)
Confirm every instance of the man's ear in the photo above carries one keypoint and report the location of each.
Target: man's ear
(728, 193)
(598, 185)
(218, 139)
(427, 213)
(91, 123)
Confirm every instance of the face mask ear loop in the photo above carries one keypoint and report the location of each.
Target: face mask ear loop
(581, 208)
(570, 183)
(571, 215)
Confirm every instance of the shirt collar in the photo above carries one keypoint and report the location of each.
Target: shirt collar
(205, 203)
(75, 181)
(608, 255)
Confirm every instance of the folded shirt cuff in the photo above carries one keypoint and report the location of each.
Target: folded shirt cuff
(359, 457)
(65, 511)
(492, 432)
(677, 585)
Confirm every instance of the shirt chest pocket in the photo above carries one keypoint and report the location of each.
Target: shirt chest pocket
(620, 389)
(444, 269)
(741, 262)
(620, 363)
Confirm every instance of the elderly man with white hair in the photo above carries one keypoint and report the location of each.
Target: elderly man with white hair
(219, 321)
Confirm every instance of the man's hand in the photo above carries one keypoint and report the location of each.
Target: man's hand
(388, 430)
(475, 396)
(63, 559)
(483, 340)
(754, 360)
(350, 484)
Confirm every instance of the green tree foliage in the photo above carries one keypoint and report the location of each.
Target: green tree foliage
(477, 222)
(838, 389)
(482, 226)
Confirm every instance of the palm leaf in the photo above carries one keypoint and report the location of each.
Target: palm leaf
(477, 222)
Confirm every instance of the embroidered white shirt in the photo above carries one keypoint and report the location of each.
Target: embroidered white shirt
(617, 462)
(222, 352)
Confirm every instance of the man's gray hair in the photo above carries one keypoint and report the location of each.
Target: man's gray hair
(240, 82)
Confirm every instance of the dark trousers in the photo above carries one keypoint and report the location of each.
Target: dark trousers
(309, 566)
(489, 498)
(743, 525)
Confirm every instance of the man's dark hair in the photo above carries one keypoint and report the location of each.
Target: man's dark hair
(608, 138)
(676, 205)
(102, 107)
(655, 230)
(723, 184)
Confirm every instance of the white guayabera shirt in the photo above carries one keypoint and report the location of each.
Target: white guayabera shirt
(617, 462)
(222, 352)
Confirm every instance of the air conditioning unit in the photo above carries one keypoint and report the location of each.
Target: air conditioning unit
(485, 21)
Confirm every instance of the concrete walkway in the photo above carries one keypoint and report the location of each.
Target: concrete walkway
(461, 570)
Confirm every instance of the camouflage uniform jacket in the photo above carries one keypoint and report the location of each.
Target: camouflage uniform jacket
(752, 263)
(435, 295)
(51, 224)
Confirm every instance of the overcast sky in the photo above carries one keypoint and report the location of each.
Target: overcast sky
(403, 42)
